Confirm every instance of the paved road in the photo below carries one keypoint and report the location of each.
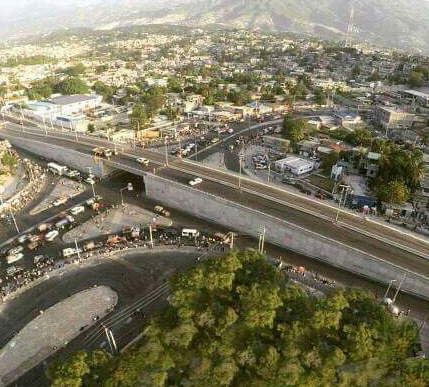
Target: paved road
(303, 211)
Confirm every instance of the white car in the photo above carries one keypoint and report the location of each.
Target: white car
(51, 235)
(59, 202)
(195, 181)
(90, 180)
(77, 210)
(142, 161)
(69, 252)
(16, 250)
(73, 173)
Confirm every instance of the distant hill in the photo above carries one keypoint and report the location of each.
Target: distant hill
(396, 23)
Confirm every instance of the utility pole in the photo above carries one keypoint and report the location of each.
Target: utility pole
(77, 248)
(10, 210)
(240, 161)
(151, 235)
(44, 126)
(344, 191)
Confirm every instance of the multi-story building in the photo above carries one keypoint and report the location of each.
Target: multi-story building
(393, 117)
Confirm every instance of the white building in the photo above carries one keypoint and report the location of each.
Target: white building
(78, 103)
(295, 165)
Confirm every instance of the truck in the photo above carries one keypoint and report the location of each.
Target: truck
(14, 258)
(102, 152)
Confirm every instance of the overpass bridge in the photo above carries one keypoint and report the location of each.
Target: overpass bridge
(293, 221)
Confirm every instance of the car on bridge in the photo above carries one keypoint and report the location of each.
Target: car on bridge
(195, 181)
(143, 161)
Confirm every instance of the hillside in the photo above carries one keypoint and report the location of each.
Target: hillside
(396, 23)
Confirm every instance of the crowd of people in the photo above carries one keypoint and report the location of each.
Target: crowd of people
(36, 176)
(170, 237)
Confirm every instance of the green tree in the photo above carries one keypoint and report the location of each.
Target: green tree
(174, 85)
(102, 89)
(293, 129)
(91, 127)
(329, 161)
(394, 192)
(139, 117)
(360, 137)
(235, 321)
(70, 86)
(320, 97)
(416, 79)
(75, 71)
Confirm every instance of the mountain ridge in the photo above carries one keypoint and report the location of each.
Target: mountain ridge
(395, 23)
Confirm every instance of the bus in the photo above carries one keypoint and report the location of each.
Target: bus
(57, 169)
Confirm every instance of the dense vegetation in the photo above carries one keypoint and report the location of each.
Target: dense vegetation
(235, 321)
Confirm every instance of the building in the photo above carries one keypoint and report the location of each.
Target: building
(295, 165)
(78, 103)
(277, 144)
(418, 96)
(347, 118)
(393, 117)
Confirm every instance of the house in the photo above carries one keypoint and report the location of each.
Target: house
(346, 119)
(371, 164)
(418, 96)
(393, 117)
(296, 165)
(308, 148)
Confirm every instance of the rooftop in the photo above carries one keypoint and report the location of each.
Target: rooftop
(69, 99)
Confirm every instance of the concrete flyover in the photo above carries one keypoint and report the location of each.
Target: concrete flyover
(405, 252)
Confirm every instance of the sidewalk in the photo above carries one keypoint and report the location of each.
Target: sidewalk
(65, 187)
(113, 222)
(53, 329)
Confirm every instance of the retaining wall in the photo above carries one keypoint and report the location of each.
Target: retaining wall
(281, 233)
(69, 157)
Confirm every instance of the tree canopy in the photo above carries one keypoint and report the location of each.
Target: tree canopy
(236, 322)
(73, 85)
(294, 129)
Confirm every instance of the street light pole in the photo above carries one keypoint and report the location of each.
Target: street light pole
(344, 190)
(399, 287)
(388, 289)
(166, 151)
(128, 187)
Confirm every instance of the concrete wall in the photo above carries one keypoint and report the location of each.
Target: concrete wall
(281, 233)
(61, 155)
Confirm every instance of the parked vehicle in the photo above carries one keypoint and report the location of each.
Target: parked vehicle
(51, 235)
(60, 201)
(33, 245)
(44, 227)
(72, 173)
(77, 210)
(22, 238)
(57, 169)
(14, 258)
(69, 252)
(16, 250)
(161, 210)
(11, 270)
(189, 232)
(89, 246)
(90, 202)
